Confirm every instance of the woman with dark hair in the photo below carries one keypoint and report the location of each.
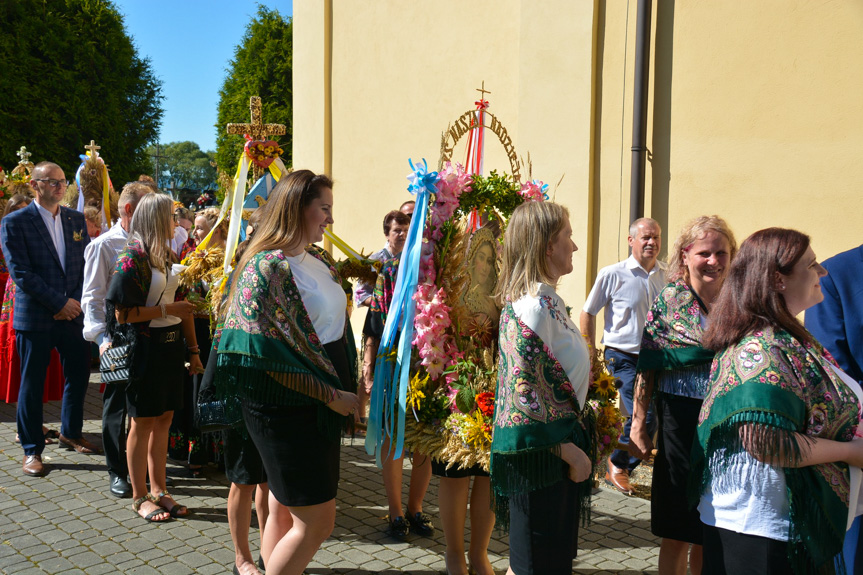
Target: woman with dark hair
(286, 351)
(674, 372)
(776, 434)
(543, 438)
(142, 312)
(396, 226)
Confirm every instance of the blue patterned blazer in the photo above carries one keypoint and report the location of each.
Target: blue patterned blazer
(34, 266)
(837, 322)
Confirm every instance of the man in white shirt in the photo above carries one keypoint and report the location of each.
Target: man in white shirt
(626, 290)
(100, 257)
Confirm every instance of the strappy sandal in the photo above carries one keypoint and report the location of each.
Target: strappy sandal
(149, 518)
(176, 510)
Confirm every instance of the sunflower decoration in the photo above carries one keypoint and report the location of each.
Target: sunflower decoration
(603, 385)
(602, 400)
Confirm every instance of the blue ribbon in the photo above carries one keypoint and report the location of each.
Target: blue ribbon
(421, 178)
(389, 393)
(542, 188)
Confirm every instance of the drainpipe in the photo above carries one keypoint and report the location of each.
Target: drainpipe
(639, 110)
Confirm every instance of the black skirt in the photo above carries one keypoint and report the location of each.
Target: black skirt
(543, 530)
(301, 463)
(243, 464)
(439, 469)
(671, 516)
(160, 389)
(730, 553)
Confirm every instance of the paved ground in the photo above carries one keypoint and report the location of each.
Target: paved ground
(67, 523)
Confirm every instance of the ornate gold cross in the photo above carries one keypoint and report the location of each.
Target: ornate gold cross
(257, 129)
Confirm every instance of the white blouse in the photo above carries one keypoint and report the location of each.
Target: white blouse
(545, 314)
(158, 283)
(324, 299)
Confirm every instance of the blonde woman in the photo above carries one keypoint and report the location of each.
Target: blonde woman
(142, 312)
(674, 373)
(540, 465)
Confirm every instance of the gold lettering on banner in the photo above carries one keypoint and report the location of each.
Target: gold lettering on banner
(454, 132)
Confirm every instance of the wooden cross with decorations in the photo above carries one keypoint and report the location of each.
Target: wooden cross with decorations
(92, 149)
(257, 130)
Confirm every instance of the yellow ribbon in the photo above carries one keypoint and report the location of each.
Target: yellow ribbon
(106, 195)
(225, 206)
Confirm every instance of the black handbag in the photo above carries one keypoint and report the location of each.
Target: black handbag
(115, 364)
(211, 412)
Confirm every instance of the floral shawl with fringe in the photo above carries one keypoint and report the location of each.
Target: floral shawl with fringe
(671, 341)
(784, 388)
(672, 333)
(384, 288)
(129, 288)
(268, 350)
(535, 411)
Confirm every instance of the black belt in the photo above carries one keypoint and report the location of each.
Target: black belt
(168, 334)
(626, 353)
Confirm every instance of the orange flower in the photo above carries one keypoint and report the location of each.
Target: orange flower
(485, 403)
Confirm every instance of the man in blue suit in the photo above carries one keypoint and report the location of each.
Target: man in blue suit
(837, 322)
(44, 248)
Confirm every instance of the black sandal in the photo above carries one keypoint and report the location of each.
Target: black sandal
(149, 518)
(176, 511)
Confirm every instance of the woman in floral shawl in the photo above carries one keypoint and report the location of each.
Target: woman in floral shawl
(543, 438)
(141, 312)
(776, 434)
(674, 371)
(285, 350)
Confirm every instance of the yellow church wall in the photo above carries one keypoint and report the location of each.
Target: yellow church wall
(753, 113)
(402, 72)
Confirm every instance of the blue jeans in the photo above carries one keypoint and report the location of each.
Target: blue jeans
(35, 347)
(622, 366)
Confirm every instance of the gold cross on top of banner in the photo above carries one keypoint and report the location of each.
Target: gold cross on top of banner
(257, 129)
(482, 91)
(92, 148)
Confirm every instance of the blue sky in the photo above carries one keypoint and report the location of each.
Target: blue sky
(189, 43)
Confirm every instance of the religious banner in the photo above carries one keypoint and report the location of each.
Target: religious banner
(436, 368)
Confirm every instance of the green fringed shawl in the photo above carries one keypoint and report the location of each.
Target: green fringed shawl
(535, 411)
(268, 349)
(672, 333)
(785, 388)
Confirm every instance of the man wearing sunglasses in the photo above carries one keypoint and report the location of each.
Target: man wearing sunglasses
(44, 248)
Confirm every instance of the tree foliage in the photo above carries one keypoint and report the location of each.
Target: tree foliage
(183, 165)
(261, 67)
(71, 74)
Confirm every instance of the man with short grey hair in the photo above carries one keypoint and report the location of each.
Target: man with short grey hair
(100, 258)
(626, 290)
